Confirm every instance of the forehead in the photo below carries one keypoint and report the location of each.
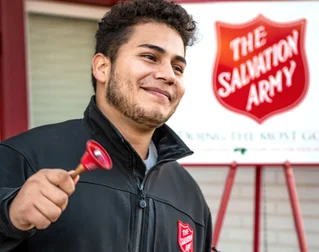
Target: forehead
(157, 34)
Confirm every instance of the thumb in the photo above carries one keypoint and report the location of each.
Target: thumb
(76, 178)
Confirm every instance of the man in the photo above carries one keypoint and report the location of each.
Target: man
(147, 201)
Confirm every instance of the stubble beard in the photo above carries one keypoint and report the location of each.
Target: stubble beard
(115, 96)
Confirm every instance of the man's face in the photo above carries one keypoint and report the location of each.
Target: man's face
(146, 81)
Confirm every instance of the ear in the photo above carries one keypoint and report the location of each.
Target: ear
(101, 67)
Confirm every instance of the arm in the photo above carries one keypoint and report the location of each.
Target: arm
(14, 170)
(29, 200)
(209, 230)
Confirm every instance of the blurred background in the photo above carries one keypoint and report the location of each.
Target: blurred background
(46, 49)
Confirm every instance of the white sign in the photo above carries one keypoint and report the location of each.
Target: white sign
(252, 84)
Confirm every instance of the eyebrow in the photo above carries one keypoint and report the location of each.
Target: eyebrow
(162, 51)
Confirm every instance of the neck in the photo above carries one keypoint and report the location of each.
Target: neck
(138, 136)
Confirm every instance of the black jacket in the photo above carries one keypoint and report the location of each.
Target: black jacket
(120, 210)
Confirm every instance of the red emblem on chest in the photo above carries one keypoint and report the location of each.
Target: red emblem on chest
(261, 67)
(185, 237)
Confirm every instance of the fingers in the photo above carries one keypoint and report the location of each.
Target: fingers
(76, 179)
(56, 195)
(42, 199)
(37, 219)
(62, 179)
(48, 209)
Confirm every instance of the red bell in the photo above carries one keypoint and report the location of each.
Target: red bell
(94, 157)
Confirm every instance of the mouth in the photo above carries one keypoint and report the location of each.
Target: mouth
(158, 91)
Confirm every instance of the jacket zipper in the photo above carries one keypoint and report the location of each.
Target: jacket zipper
(142, 202)
(140, 213)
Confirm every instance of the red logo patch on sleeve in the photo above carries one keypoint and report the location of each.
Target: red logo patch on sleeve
(185, 237)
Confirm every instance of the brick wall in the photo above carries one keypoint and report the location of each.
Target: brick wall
(237, 231)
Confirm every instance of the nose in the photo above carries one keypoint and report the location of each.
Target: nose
(166, 73)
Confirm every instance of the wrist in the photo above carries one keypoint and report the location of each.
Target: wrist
(6, 226)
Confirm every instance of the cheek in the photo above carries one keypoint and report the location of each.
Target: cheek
(180, 91)
(139, 70)
(130, 69)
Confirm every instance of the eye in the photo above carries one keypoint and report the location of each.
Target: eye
(149, 56)
(178, 69)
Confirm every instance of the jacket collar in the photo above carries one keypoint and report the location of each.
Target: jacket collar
(169, 146)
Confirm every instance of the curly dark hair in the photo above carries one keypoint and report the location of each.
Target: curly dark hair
(117, 25)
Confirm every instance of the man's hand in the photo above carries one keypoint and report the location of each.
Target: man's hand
(42, 199)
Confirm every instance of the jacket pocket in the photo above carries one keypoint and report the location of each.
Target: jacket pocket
(172, 230)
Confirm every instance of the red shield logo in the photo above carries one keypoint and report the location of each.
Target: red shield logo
(185, 237)
(261, 67)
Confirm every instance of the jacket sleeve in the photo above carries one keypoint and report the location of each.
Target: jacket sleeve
(14, 169)
(209, 231)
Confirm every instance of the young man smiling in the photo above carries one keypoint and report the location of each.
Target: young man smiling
(147, 202)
